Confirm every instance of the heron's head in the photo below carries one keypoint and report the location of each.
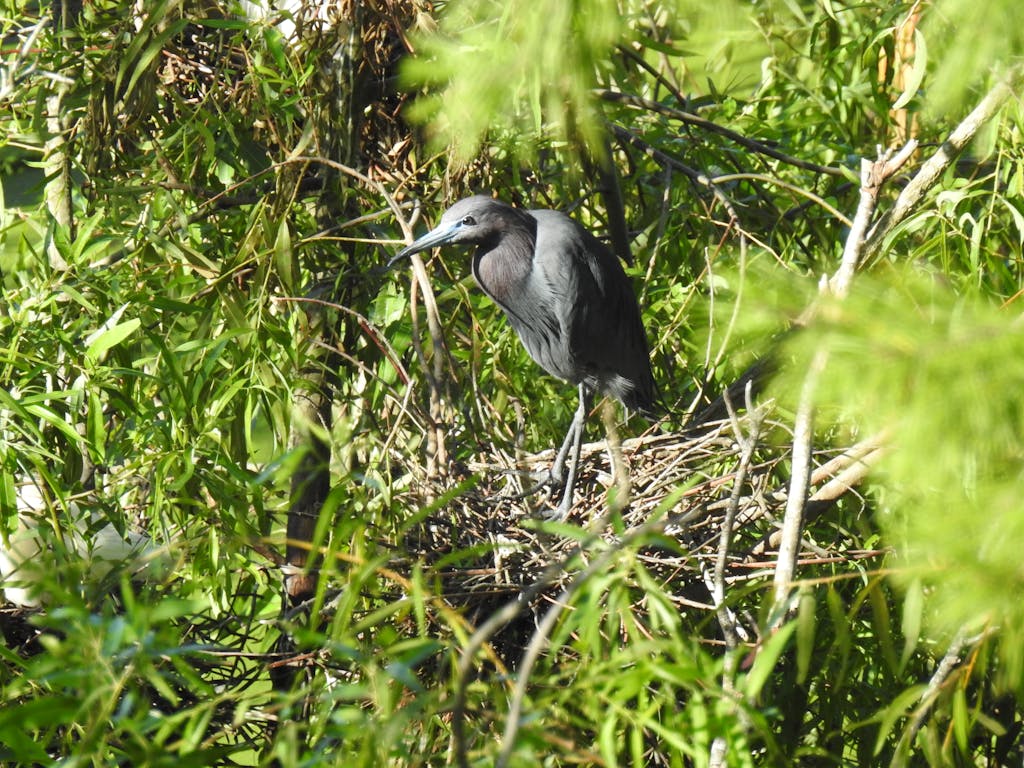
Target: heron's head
(472, 221)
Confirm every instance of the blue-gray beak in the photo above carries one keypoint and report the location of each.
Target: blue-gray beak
(440, 235)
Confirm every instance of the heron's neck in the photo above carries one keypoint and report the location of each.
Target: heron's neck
(501, 267)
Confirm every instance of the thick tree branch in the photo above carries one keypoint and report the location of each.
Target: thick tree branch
(863, 241)
(873, 176)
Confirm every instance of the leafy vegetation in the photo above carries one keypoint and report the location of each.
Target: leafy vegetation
(198, 344)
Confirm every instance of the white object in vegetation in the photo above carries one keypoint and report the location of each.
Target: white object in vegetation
(92, 548)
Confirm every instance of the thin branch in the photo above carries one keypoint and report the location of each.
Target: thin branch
(691, 119)
(747, 441)
(732, 630)
(719, 752)
(843, 474)
(817, 199)
(364, 323)
(667, 161)
(641, 62)
(846, 480)
(10, 75)
(792, 521)
(661, 158)
(858, 247)
(438, 454)
(873, 176)
(928, 696)
(854, 455)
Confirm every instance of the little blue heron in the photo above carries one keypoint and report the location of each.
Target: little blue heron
(566, 296)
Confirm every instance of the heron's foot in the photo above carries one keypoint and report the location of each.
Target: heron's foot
(557, 514)
(543, 482)
(556, 475)
(541, 487)
(546, 483)
(560, 513)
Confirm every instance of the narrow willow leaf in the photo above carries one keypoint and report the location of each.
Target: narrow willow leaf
(917, 72)
(881, 621)
(108, 336)
(767, 657)
(805, 621)
(284, 256)
(913, 611)
(95, 428)
(961, 719)
(897, 709)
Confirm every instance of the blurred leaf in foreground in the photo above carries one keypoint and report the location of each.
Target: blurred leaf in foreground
(972, 39)
(522, 70)
(942, 376)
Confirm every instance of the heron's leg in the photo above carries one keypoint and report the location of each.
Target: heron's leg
(557, 473)
(576, 430)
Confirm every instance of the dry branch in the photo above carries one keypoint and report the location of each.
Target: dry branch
(930, 172)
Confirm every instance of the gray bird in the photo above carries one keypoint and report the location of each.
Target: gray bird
(566, 296)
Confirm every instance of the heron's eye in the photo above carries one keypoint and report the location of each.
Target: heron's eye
(469, 221)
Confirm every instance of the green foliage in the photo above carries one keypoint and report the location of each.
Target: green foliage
(519, 73)
(959, 64)
(909, 357)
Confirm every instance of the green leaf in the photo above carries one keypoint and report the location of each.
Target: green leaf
(913, 612)
(893, 712)
(961, 719)
(95, 428)
(138, 59)
(881, 621)
(274, 41)
(284, 257)
(805, 621)
(55, 420)
(109, 335)
(609, 741)
(767, 657)
(916, 76)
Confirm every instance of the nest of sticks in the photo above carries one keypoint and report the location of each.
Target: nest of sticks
(672, 493)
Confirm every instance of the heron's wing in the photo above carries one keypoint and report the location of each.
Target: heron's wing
(597, 310)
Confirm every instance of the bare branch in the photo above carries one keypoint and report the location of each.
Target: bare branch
(938, 679)
(934, 167)
(764, 177)
(872, 176)
(732, 631)
(792, 521)
(747, 441)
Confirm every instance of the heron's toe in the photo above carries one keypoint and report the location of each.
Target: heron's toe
(557, 514)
